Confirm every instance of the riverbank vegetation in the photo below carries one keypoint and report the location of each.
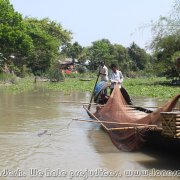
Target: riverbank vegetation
(147, 87)
(34, 47)
(15, 84)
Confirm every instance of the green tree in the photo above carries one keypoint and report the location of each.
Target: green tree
(138, 56)
(167, 25)
(101, 50)
(73, 51)
(166, 42)
(48, 36)
(13, 36)
(122, 58)
(166, 51)
(84, 55)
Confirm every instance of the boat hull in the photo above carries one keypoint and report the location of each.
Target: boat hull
(162, 142)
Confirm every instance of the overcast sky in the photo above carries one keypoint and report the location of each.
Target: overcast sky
(91, 20)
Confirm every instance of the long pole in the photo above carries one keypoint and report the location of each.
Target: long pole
(93, 90)
(116, 123)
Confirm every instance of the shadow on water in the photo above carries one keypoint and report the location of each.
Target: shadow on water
(163, 159)
(147, 158)
(101, 140)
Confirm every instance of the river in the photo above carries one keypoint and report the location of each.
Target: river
(39, 140)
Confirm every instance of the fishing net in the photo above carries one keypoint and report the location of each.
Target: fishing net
(125, 124)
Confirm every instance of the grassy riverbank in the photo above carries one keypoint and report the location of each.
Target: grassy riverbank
(151, 87)
(15, 84)
(147, 87)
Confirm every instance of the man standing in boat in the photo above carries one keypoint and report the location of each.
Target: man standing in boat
(103, 72)
(117, 77)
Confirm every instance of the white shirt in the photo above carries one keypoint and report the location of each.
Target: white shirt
(104, 75)
(116, 78)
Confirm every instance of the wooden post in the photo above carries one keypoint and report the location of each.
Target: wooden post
(35, 79)
(93, 90)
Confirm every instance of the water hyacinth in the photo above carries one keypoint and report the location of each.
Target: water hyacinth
(147, 87)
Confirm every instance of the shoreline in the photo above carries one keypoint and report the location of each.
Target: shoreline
(144, 87)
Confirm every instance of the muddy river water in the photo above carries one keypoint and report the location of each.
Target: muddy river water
(38, 140)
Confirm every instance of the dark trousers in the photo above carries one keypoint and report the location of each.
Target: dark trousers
(125, 95)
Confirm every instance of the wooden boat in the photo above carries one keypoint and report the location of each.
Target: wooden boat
(169, 138)
(116, 130)
(126, 132)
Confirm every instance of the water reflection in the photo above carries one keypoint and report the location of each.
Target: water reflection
(66, 145)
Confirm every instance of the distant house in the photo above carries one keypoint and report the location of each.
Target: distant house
(68, 65)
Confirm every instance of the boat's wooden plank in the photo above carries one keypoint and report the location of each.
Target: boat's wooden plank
(171, 131)
(171, 123)
(171, 113)
(135, 127)
(172, 127)
(95, 118)
(116, 123)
